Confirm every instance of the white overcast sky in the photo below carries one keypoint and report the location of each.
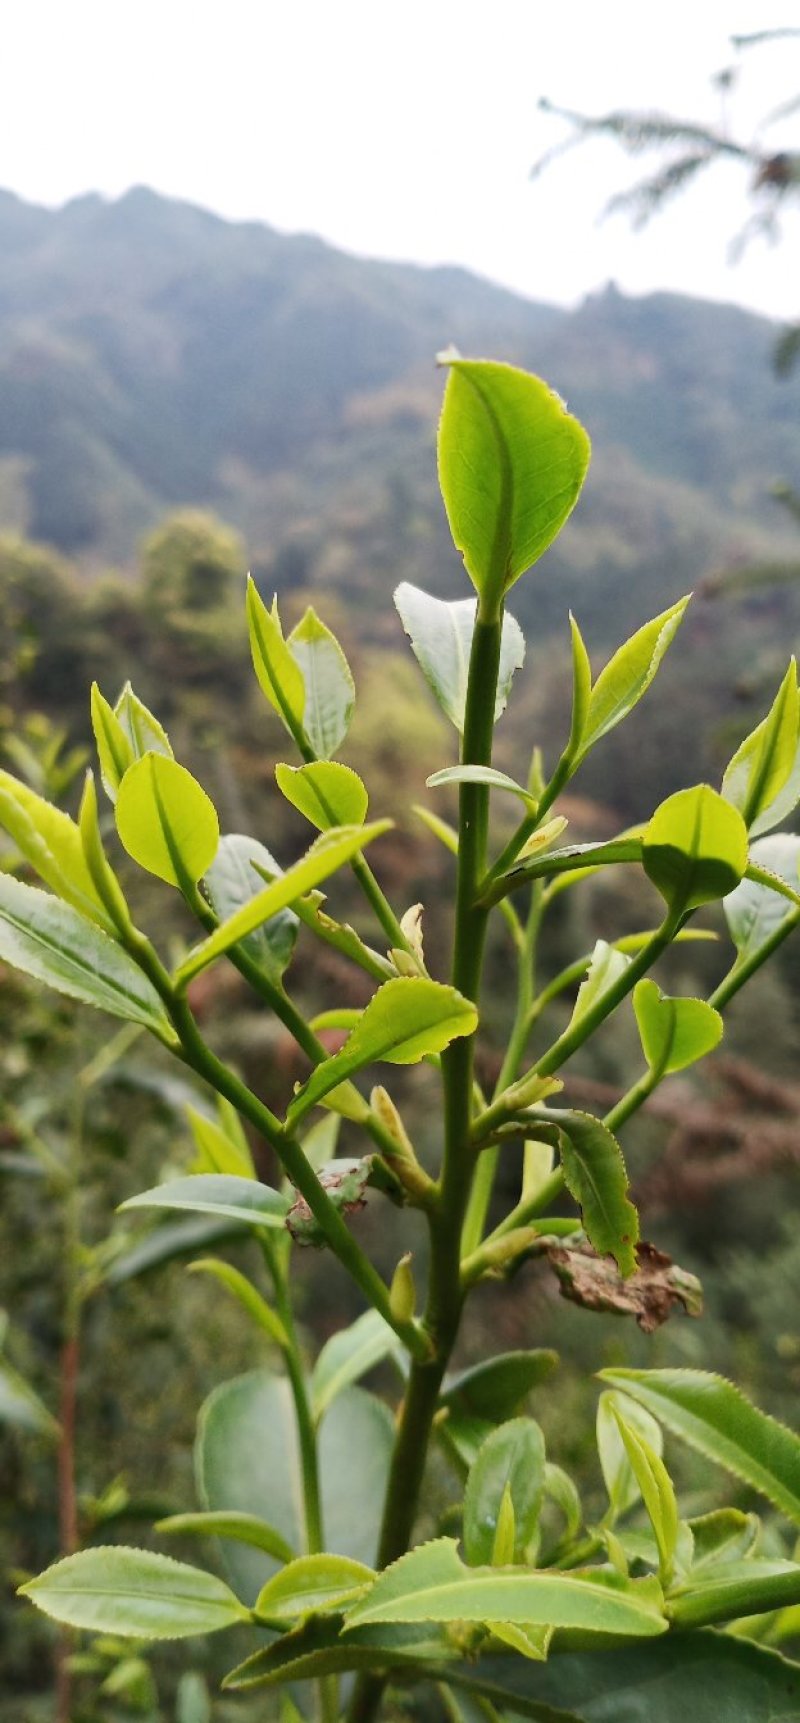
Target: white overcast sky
(402, 130)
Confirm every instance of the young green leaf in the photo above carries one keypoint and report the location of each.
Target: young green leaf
(481, 775)
(441, 640)
(348, 1355)
(716, 1418)
(496, 1388)
(657, 1490)
(279, 675)
(753, 911)
(695, 848)
(606, 965)
(674, 1032)
(246, 1294)
(102, 874)
(628, 675)
(232, 882)
(168, 1242)
(764, 761)
(244, 1200)
(532, 1642)
(432, 1584)
(724, 1535)
(114, 750)
(144, 733)
(574, 858)
(327, 853)
(509, 1467)
(511, 465)
(581, 688)
(243, 1528)
(134, 1593)
(404, 1020)
(53, 943)
(317, 1649)
(311, 1585)
(217, 1151)
(329, 689)
(51, 842)
(166, 822)
(595, 1175)
(327, 793)
(620, 1479)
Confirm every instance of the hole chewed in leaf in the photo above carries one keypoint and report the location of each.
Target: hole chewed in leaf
(650, 1294)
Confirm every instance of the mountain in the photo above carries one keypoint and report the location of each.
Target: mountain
(154, 356)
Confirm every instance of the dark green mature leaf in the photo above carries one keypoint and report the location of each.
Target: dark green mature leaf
(433, 1584)
(329, 692)
(753, 911)
(406, 1019)
(327, 853)
(441, 639)
(51, 842)
(220, 1194)
(695, 848)
(167, 1244)
(737, 1588)
(628, 675)
(512, 1461)
(52, 942)
(716, 1418)
(317, 1649)
(134, 1593)
(165, 820)
(496, 1388)
(328, 793)
(705, 1676)
(247, 1460)
(595, 1175)
(674, 1032)
(764, 761)
(511, 465)
(20, 1405)
(231, 882)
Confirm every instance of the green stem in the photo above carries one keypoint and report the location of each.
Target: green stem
(445, 1294)
(483, 1184)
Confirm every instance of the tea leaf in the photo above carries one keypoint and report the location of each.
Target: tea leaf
(509, 1466)
(144, 733)
(311, 1585)
(114, 749)
(695, 848)
(432, 1584)
(213, 1193)
(404, 1020)
(657, 1491)
(674, 1032)
(511, 465)
(349, 1355)
(134, 1593)
(51, 842)
(765, 760)
(753, 911)
(243, 1528)
(735, 1589)
(232, 882)
(441, 640)
(496, 1388)
(480, 775)
(166, 822)
(327, 853)
(52, 942)
(628, 675)
(279, 675)
(594, 1171)
(329, 690)
(716, 1418)
(328, 793)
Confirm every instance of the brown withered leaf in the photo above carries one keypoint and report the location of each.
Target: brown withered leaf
(650, 1294)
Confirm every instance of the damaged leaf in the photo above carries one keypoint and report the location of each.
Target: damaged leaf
(650, 1294)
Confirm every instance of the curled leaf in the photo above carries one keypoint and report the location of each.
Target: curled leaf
(651, 1294)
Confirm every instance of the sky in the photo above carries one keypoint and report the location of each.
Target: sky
(405, 131)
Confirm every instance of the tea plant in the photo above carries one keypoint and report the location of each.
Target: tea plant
(313, 1485)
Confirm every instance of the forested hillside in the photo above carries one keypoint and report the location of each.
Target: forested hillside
(153, 356)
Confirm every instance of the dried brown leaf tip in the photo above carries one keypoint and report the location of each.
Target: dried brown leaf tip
(650, 1294)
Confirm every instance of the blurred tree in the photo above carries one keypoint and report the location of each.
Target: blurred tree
(190, 564)
(685, 148)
